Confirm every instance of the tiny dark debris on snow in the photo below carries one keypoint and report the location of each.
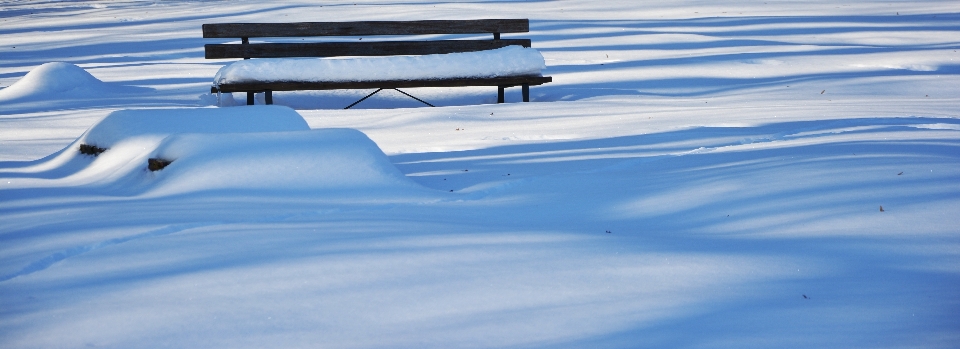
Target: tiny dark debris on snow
(156, 164)
(87, 149)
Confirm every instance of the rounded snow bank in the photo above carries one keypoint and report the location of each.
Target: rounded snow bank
(127, 133)
(329, 160)
(53, 78)
(125, 124)
(260, 148)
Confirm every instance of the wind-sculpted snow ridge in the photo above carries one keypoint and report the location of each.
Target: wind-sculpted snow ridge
(328, 160)
(125, 131)
(124, 124)
(243, 148)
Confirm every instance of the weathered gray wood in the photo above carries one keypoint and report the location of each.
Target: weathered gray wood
(337, 49)
(365, 28)
(506, 81)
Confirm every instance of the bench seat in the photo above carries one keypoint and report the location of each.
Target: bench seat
(366, 64)
(502, 62)
(259, 86)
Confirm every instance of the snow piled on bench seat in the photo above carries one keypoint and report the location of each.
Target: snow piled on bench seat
(507, 61)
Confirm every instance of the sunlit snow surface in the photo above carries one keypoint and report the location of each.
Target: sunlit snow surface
(507, 61)
(698, 175)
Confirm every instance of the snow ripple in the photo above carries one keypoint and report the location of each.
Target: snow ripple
(50, 260)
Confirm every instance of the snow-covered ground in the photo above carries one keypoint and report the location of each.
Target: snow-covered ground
(699, 174)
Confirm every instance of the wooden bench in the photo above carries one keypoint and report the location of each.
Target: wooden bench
(365, 47)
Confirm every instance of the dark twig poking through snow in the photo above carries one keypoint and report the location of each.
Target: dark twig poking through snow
(87, 149)
(155, 164)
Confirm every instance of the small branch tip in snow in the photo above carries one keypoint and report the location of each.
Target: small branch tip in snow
(156, 164)
(87, 149)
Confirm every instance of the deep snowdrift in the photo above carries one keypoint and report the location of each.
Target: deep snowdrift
(341, 161)
(123, 124)
(242, 148)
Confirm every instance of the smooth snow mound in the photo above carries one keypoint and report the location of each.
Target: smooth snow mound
(263, 147)
(124, 124)
(329, 160)
(54, 78)
(126, 133)
(507, 61)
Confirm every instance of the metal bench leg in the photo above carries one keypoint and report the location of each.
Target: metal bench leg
(500, 94)
(364, 98)
(411, 96)
(249, 98)
(268, 96)
(526, 92)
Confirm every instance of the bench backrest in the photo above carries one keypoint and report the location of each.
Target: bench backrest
(245, 31)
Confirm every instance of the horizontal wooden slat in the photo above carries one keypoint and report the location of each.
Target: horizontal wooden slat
(336, 49)
(364, 28)
(506, 81)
